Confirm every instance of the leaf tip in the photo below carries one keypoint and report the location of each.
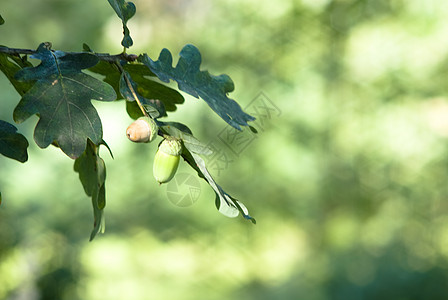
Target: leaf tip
(247, 217)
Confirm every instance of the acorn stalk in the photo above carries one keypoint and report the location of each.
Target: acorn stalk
(167, 159)
(142, 130)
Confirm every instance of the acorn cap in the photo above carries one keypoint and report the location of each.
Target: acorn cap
(142, 130)
(171, 146)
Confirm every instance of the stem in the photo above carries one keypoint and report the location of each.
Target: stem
(102, 56)
(134, 94)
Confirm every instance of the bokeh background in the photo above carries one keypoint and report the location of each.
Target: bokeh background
(347, 176)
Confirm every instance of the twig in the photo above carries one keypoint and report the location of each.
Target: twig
(102, 56)
(129, 85)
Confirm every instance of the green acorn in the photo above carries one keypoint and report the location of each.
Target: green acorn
(166, 160)
(142, 130)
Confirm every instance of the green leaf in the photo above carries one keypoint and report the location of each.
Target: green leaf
(2, 21)
(212, 89)
(56, 63)
(10, 65)
(61, 96)
(92, 174)
(128, 89)
(145, 87)
(182, 132)
(226, 204)
(125, 11)
(179, 126)
(12, 144)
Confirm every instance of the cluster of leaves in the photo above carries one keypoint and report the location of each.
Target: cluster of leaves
(60, 93)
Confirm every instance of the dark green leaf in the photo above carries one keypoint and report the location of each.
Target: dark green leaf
(182, 132)
(103, 142)
(154, 90)
(145, 87)
(125, 11)
(12, 144)
(138, 70)
(180, 126)
(110, 72)
(128, 89)
(133, 110)
(86, 48)
(56, 62)
(10, 65)
(61, 97)
(212, 89)
(226, 204)
(92, 174)
(2, 21)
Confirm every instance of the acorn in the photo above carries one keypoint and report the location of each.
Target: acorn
(166, 160)
(142, 130)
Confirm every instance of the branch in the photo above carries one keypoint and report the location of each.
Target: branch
(102, 56)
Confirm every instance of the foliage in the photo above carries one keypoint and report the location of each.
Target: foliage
(213, 89)
(92, 173)
(348, 170)
(12, 144)
(124, 10)
(60, 93)
(61, 96)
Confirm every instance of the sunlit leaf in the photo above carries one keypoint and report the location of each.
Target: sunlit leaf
(212, 89)
(92, 174)
(62, 98)
(226, 204)
(124, 10)
(12, 144)
(182, 132)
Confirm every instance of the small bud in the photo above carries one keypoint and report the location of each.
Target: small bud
(166, 160)
(142, 130)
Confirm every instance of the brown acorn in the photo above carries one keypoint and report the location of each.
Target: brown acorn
(142, 130)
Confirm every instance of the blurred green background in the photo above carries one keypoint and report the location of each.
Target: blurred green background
(347, 176)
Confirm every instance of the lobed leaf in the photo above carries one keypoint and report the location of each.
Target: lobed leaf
(125, 11)
(12, 144)
(56, 63)
(191, 151)
(226, 204)
(212, 89)
(92, 174)
(62, 99)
